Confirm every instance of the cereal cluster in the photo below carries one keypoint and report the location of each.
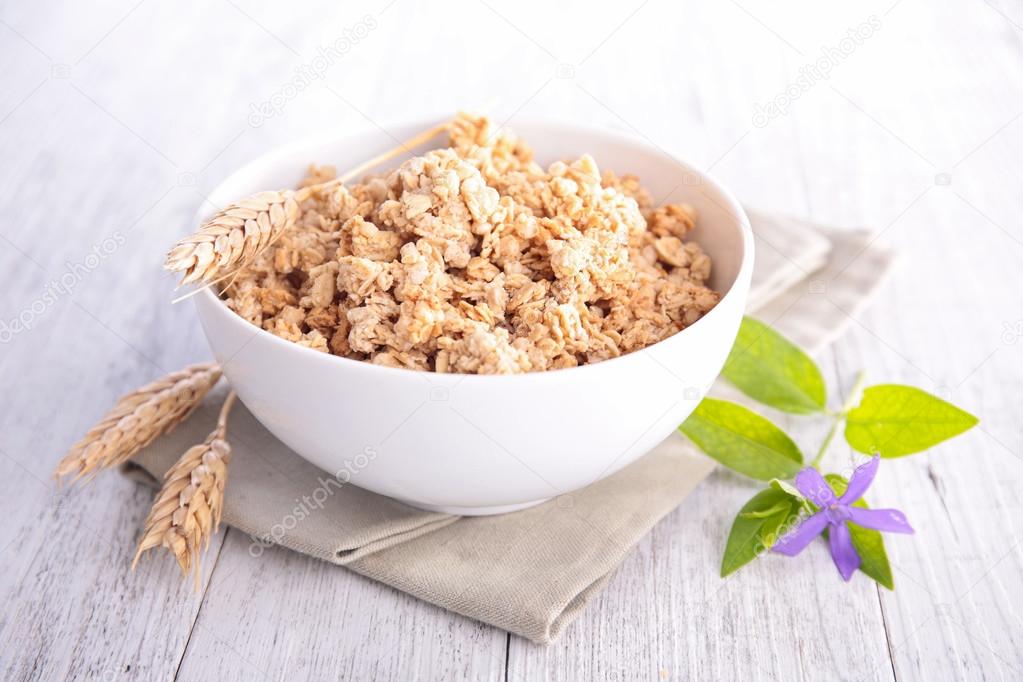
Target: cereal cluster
(474, 259)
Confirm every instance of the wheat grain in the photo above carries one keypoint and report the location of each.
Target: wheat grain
(137, 419)
(235, 234)
(187, 510)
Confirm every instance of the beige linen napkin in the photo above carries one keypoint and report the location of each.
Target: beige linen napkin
(533, 571)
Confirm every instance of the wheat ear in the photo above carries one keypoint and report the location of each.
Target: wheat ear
(137, 419)
(236, 235)
(187, 510)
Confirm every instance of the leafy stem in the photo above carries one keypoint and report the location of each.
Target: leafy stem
(850, 401)
(886, 420)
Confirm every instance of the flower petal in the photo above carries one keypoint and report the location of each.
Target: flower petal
(796, 540)
(860, 480)
(813, 486)
(888, 520)
(842, 550)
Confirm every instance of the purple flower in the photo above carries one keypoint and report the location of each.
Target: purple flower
(835, 512)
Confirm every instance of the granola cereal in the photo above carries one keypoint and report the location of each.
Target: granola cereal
(475, 259)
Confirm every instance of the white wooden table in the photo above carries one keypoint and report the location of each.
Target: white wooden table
(115, 120)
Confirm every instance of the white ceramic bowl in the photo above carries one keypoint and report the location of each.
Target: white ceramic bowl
(486, 444)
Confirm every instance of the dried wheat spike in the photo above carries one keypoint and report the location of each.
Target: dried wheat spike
(235, 235)
(187, 510)
(137, 419)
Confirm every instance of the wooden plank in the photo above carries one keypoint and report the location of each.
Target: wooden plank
(73, 609)
(940, 330)
(960, 576)
(279, 615)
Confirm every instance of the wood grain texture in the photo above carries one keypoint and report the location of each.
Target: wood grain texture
(114, 126)
(323, 622)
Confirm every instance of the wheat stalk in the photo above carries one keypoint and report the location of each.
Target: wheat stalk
(233, 237)
(137, 419)
(405, 146)
(187, 510)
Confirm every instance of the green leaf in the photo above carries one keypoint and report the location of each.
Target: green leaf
(742, 440)
(869, 543)
(786, 487)
(895, 420)
(771, 369)
(793, 491)
(753, 534)
(780, 506)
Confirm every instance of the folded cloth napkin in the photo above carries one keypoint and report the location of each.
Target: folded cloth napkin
(530, 572)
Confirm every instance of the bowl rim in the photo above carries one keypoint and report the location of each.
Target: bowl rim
(732, 207)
